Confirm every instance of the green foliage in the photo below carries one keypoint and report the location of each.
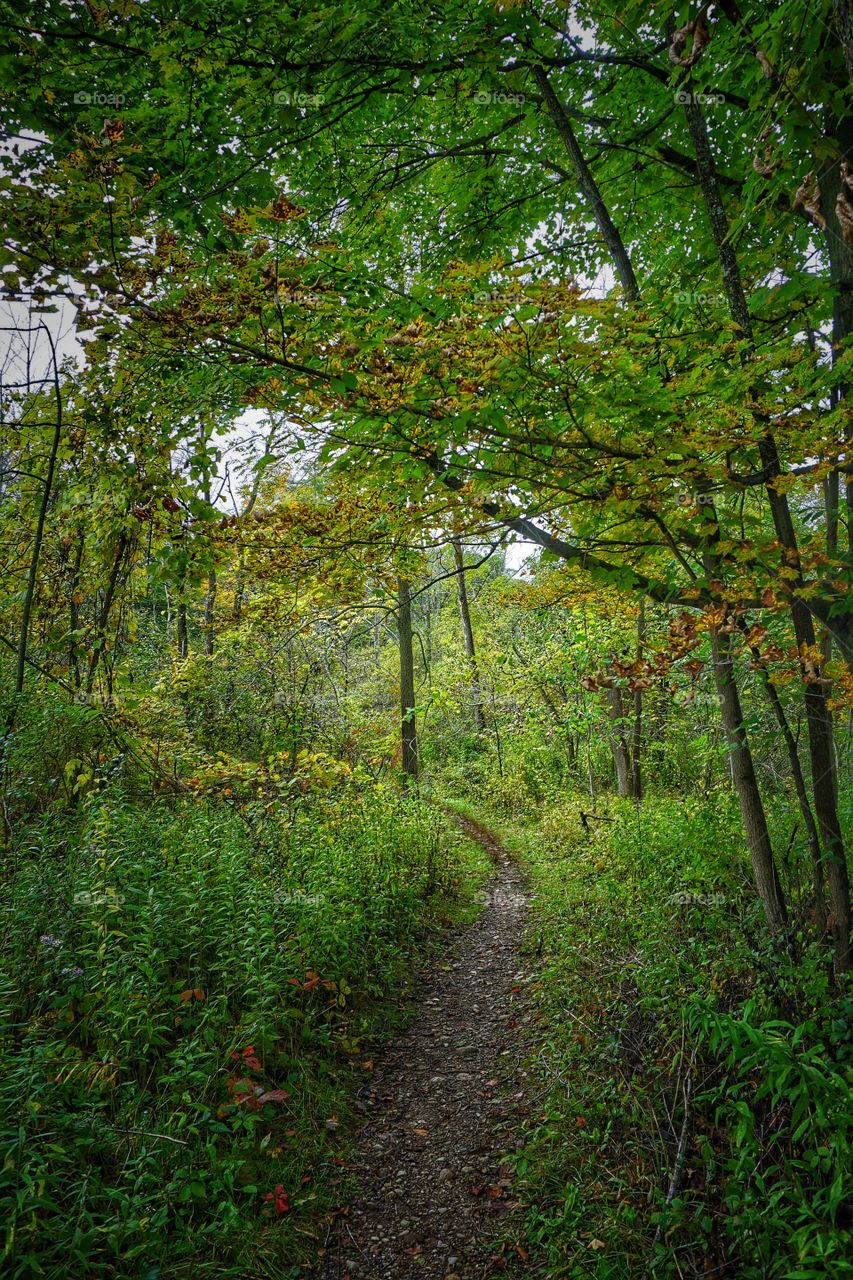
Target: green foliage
(654, 973)
(188, 999)
(776, 1137)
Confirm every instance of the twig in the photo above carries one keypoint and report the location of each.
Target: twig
(678, 1167)
(145, 1133)
(597, 817)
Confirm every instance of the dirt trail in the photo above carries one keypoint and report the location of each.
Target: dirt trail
(444, 1110)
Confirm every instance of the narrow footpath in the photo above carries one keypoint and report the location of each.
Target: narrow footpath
(435, 1197)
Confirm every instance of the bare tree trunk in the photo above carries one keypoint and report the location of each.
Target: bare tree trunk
(468, 633)
(408, 735)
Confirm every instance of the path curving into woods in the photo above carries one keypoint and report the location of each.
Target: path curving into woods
(434, 1193)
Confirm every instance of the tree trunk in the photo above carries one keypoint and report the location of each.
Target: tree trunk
(47, 489)
(468, 634)
(183, 635)
(100, 635)
(588, 187)
(812, 834)
(209, 601)
(409, 737)
(74, 613)
(822, 753)
(818, 716)
(746, 786)
(637, 736)
(844, 14)
(618, 742)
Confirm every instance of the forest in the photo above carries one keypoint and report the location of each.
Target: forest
(426, 640)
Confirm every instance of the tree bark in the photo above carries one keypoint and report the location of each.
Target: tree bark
(408, 726)
(209, 601)
(618, 742)
(183, 634)
(588, 188)
(100, 635)
(47, 489)
(637, 736)
(812, 835)
(746, 786)
(844, 14)
(468, 634)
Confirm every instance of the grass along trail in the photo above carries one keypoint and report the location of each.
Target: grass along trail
(434, 1189)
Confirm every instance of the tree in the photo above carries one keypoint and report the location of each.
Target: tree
(408, 724)
(468, 634)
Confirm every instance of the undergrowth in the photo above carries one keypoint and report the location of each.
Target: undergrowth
(189, 1002)
(697, 1109)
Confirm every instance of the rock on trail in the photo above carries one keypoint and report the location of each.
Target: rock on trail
(434, 1191)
